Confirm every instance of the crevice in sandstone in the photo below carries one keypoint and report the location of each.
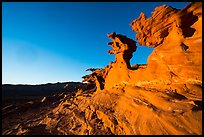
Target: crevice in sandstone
(198, 107)
(184, 47)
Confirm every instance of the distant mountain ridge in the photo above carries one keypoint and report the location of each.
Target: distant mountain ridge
(38, 90)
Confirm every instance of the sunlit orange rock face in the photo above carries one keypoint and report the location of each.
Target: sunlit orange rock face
(117, 71)
(176, 36)
(123, 48)
(162, 97)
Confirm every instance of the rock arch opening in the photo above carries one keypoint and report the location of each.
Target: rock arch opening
(140, 57)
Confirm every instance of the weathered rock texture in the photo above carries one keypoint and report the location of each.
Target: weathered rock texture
(117, 71)
(123, 48)
(162, 97)
(96, 77)
(176, 36)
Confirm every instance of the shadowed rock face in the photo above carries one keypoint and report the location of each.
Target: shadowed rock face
(96, 77)
(161, 98)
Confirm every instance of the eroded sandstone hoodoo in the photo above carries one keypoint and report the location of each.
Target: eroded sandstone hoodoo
(117, 71)
(123, 48)
(165, 20)
(176, 36)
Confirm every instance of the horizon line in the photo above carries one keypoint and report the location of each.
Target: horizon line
(40, 83)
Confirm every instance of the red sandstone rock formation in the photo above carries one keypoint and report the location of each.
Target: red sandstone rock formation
(96, 77)
(162, 97)
(118, 70)
(123, 48)
(176, 36)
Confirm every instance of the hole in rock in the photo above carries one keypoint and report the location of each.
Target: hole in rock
(140, 56)
(184, 47)
(198, 107)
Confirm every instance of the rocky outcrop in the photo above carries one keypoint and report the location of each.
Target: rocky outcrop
(123, 47)
(167, 91)
(176, 36)
(169, 86)
(96, 77)
(161, 97)
(166, 20)
(152, 31)
(118, 70)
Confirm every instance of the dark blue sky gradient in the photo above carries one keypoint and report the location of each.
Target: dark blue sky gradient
(56, 42)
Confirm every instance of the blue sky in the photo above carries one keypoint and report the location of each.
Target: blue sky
(47, 42)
